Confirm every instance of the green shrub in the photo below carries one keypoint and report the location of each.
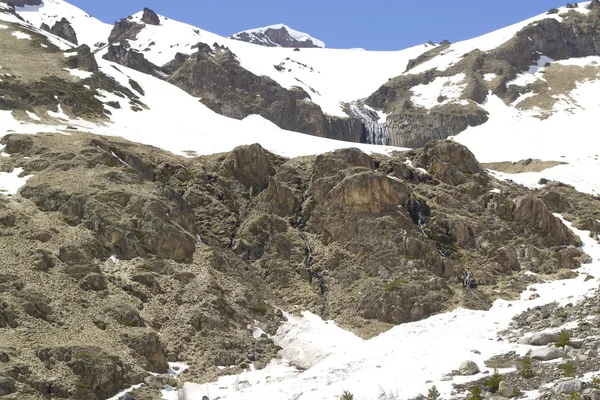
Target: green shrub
(569, 370)
(526, 368)
(595, 383)
(574, 396)
(347, 396)
(494, 381)
(433, 394)
(564, 339)
(561, 313)
(475, 393)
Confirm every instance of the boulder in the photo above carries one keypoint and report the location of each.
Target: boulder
(547, 354)
(506, 389)
(7, 386)
(127, 315)
(544, 338)
(468, 368)
(568, 386)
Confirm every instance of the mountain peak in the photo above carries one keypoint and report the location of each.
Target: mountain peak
(278, 35)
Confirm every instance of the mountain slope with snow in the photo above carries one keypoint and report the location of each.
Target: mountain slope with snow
(278, 35)
(90, 30)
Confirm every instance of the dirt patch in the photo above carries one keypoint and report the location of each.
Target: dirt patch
(519, 167)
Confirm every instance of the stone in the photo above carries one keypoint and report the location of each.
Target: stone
(468, 368)
(546, 354)
(567, 386)
(506, 389)
(543, 338)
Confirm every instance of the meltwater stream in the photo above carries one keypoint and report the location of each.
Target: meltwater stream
(377, 133)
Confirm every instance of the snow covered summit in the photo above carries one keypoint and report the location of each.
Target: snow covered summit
(279, 35)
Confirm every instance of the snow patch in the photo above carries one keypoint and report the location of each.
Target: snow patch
(446, 89)
(11, 182)
(21, 35)
(33, 116)
(79, 73)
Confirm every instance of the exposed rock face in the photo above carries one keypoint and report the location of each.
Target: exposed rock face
(124, 30)
(149, 17)
(64, 30)
(84, 60)
(22, 3)
(171, 258)
(276, 36)
(130, 58)
(225, 87)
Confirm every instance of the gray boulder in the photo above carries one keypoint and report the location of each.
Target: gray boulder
(543, 339)
(506, 389)
(468, 368)
(568, 386)
(547, 354)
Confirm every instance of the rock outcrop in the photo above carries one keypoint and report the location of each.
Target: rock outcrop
(64, 30)
(277, 36)
(150, 17)
(22, 3)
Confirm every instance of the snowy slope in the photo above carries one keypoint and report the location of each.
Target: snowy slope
(486, 42)
(260, 38)
(90, 30)
(329, 76)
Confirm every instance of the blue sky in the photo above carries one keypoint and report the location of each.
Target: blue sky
(373, 25)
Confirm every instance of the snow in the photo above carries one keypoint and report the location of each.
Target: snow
(33, 116)
(3, 26)
(570, 137)
(329, 76)
(484, 43)
(90, 30)
(59, 114)
(182, 124)
(299, 36)
(21, 35)
(449, 87)
(79, 73)
(535, 73)
(10, 182)
(404, 360)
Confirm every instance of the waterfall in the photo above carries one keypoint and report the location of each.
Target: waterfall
(312, 274)
(377, 133)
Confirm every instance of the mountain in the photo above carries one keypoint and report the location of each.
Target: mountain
(278, 35)
(177, 221)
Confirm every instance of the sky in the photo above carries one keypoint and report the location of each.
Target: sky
(372, 25)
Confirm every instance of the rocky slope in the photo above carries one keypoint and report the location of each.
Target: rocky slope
(151, 257)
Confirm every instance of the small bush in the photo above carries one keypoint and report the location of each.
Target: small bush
(347, 396)
(569, 370)
(564, 339)
(574, 396)
(475, 393)
(494, 381)
(526, 368)
(595, 383)
(433, 394)
(561, 313)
